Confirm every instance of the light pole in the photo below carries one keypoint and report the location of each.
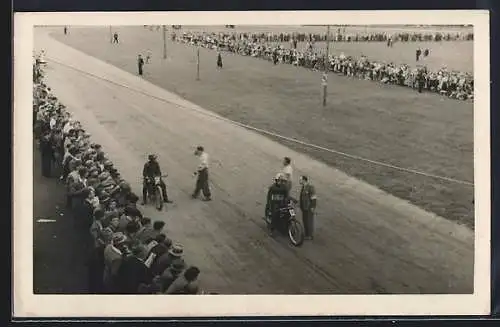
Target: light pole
(110, 34)
(324, 78)
(164, 42)
(198, 63)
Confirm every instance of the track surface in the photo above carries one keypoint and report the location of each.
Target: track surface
(367, 241)
(387, 123)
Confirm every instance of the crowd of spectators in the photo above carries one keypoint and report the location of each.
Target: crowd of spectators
(454, 84)
(340, 35)
(131, 254)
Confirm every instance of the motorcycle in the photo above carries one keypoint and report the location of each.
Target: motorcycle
(155, 195)
(288, 224)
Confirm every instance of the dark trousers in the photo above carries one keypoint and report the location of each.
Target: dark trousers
(140, 69)
(96, 270)
(47, 158)
(420, 86)
(145, 191)
(308, 221)
(202, 184)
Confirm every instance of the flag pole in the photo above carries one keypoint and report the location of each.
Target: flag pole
(324, 79)
(164, 42)
(198, 63)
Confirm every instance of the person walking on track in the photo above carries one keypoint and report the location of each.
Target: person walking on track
(307, 206)
(219, 60)
(115, 38)
(140, 64)
(202, 175)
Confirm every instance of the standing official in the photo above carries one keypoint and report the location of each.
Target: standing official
(140, 64)
(418, 53)
(202, 175)
(219, 60)
(115, 38)
(307, 206)
(47, 154)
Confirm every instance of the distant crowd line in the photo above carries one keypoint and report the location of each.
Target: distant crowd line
(450, 83)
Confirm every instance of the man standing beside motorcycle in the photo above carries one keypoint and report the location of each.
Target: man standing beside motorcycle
(307, 206)
(277, 197)
(150, 171)
(202, 175)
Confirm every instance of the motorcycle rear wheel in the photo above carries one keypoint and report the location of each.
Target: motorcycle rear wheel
(295, 232)
(158, 198)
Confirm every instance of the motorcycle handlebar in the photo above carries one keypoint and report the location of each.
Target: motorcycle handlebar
(147, 177)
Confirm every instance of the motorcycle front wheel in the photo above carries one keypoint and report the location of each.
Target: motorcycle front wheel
(295, 232)
(158, 198)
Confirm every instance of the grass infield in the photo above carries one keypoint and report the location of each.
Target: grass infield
(386, 123)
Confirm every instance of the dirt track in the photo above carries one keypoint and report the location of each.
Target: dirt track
(378, 244)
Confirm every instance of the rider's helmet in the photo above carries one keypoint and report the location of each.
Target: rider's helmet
(152, 157)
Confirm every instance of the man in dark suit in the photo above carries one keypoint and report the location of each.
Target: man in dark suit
(307, 206)
(132, 273)
(140, 64)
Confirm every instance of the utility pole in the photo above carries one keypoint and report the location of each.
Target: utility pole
(324, 78)
(198, 64)
(164, 42)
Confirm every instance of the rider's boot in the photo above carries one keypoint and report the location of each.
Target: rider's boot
(165, 197)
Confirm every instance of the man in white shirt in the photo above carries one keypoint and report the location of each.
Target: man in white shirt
(202, 175)
(287, 172)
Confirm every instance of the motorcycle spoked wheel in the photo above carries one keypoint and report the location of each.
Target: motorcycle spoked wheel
(158, 198)
(295, 232)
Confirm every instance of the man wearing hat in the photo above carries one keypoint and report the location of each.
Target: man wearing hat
(307, 206)
(277, 195)
(186, 283)
(202, 175)
(47, 154)
(113, 254)
(132, 273)
(150, 171)
(76, 184)
(164, 261)
(171, 273)
(96, 262)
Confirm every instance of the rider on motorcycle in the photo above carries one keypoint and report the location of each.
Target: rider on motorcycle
(150, 171)
(277, 198)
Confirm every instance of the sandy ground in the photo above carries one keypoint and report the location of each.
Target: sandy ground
(387, 123)
(59, 247)
(367, 241)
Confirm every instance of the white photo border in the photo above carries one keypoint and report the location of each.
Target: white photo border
(26, 304)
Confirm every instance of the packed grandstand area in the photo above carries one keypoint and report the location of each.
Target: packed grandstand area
(102, 203)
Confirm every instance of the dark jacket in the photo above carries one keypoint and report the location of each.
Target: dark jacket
(277, 195)
(162, 263)
(151, 169)
(307, 197)
(131, 274)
